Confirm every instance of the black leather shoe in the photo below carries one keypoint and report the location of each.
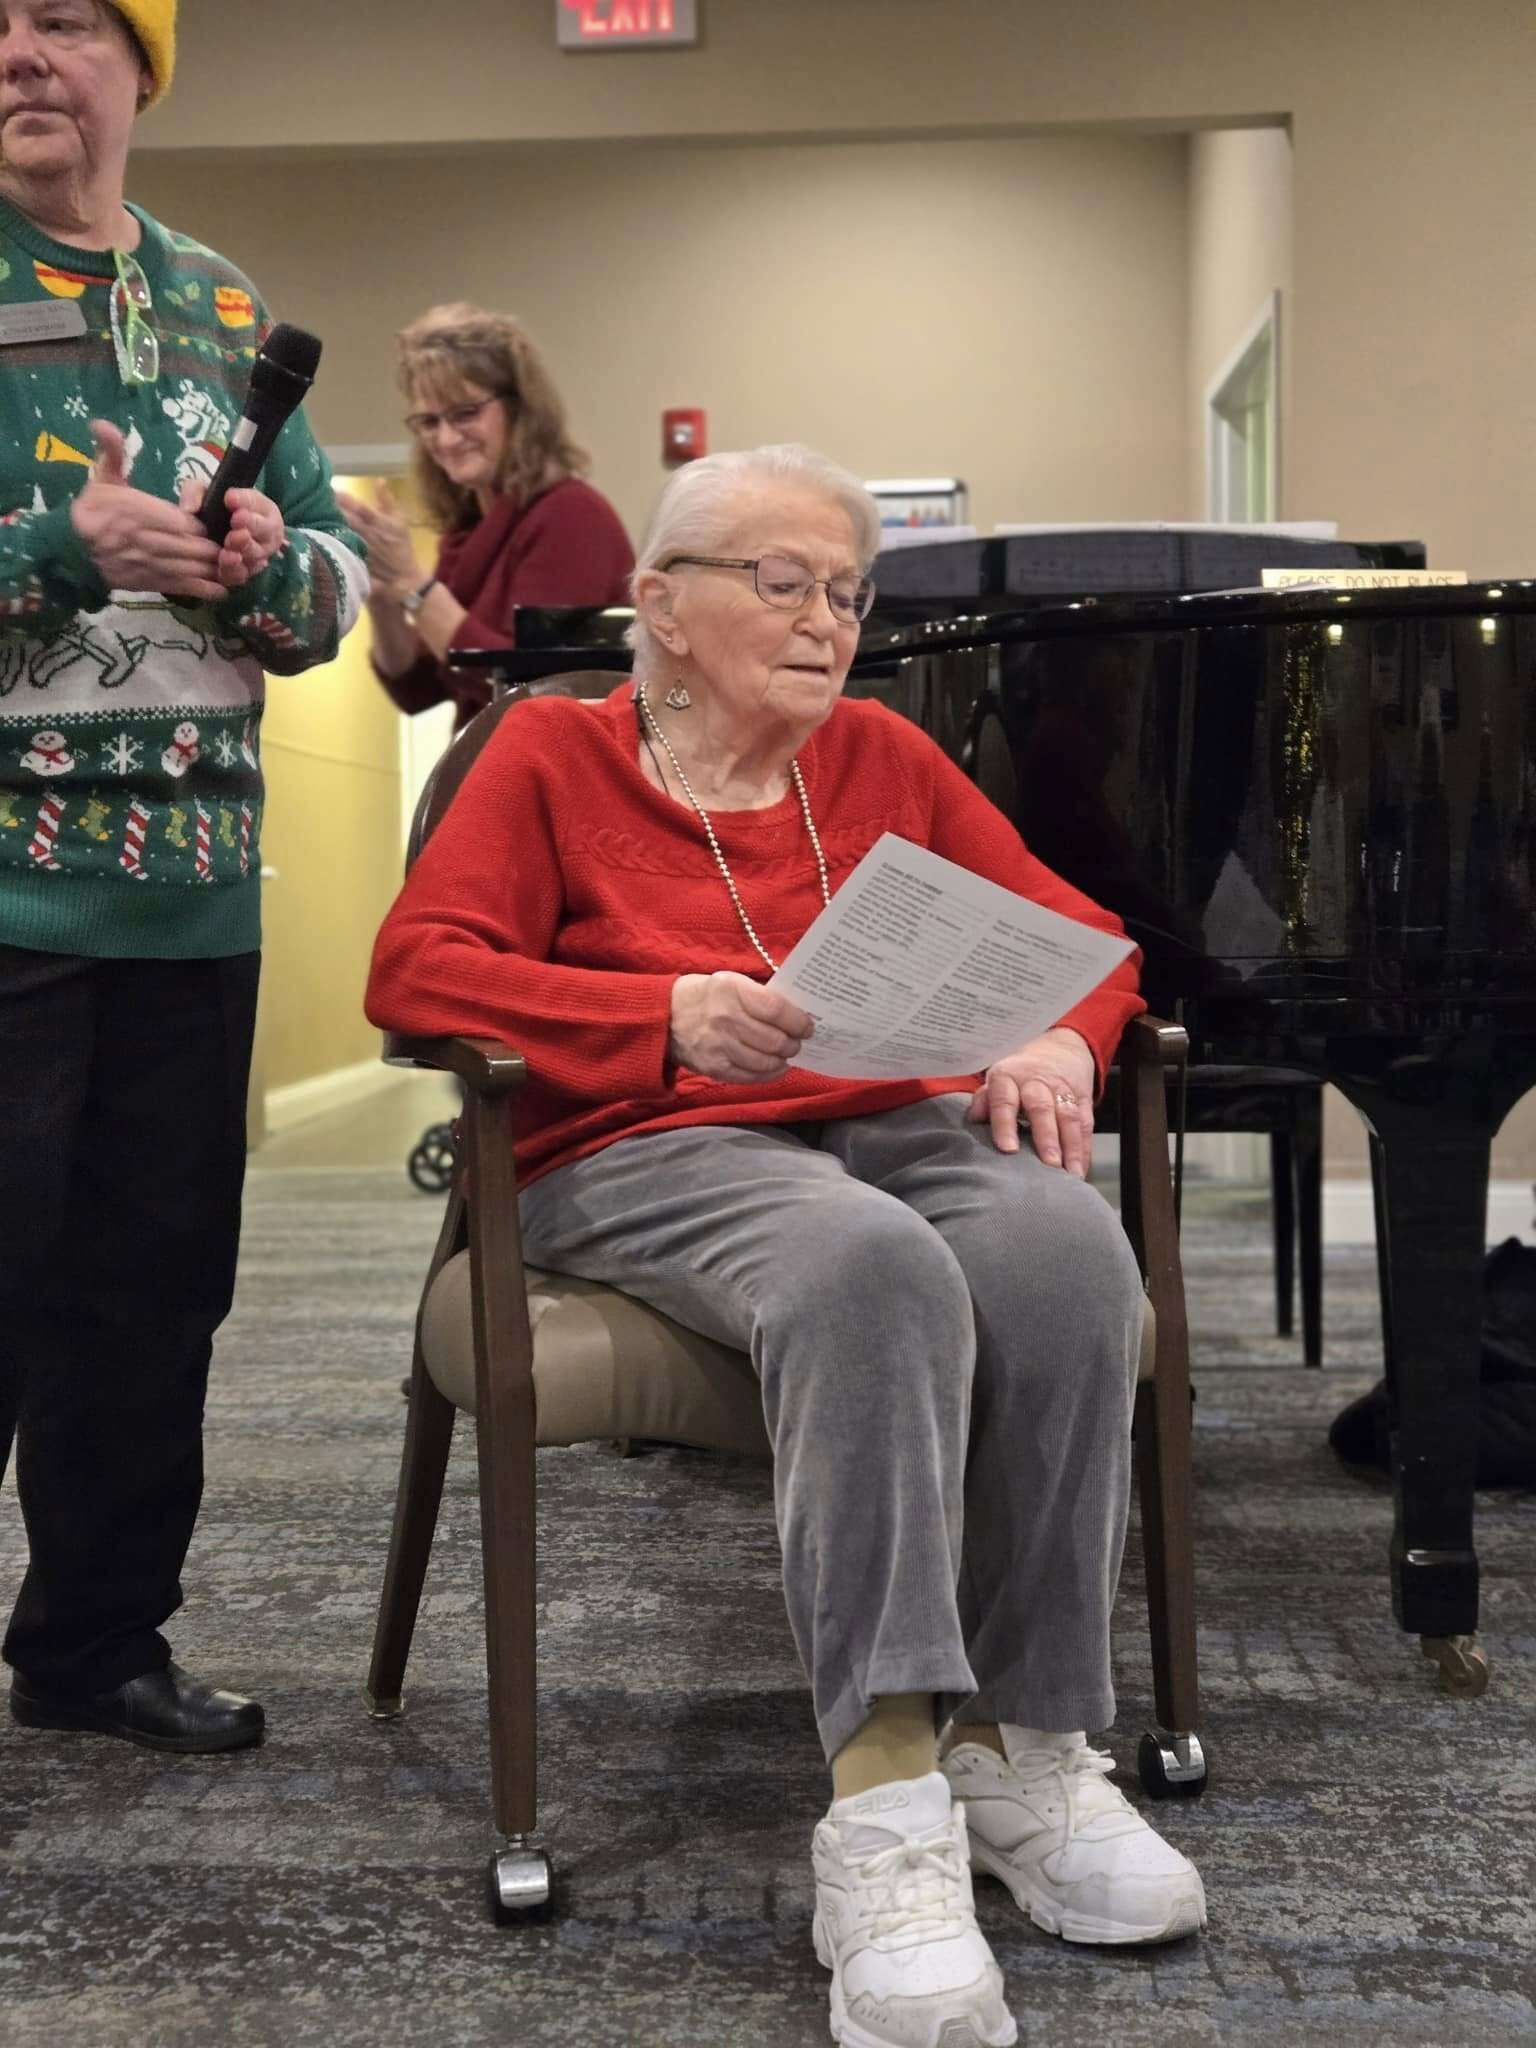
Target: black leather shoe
(162, 1710)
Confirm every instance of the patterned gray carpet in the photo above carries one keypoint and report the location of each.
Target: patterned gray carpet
(1366, 1844)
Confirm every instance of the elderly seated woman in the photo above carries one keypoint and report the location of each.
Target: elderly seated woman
(943, 1314)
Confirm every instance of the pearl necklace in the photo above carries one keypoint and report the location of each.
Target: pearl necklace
(709, 831)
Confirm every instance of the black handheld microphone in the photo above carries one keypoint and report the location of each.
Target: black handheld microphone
(283, 371)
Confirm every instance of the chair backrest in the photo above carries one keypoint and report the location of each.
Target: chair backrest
(460, 755)
(447, 778)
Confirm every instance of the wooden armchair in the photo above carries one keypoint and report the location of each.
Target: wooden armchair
(540, 1358)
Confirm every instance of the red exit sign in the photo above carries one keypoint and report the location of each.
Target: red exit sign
(625, 24)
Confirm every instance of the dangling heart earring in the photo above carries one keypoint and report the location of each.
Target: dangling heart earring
(677, 698)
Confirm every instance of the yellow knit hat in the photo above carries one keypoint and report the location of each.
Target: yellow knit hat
(154, 23)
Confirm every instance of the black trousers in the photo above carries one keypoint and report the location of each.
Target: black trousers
(122, 1158)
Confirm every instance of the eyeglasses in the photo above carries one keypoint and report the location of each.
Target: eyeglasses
(425, 424)
(787, 585)
(134, 342)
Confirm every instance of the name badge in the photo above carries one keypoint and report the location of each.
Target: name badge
(40, 320)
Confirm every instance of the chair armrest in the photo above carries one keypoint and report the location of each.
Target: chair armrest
(1154, 1038)
(484, 1065)
(1147, 1209)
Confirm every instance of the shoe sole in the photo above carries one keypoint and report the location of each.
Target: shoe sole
(849, 2034)
(1185, 1915)
(80, 1721)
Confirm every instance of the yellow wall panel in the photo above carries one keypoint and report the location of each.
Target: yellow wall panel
(331, 751)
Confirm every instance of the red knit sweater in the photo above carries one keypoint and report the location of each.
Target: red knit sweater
(562, 895)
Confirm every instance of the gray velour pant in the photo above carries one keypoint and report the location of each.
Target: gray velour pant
(946, 1337)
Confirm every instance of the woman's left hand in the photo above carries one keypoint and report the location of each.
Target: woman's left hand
(392, 560)
(257, 532)
(1049, 1083)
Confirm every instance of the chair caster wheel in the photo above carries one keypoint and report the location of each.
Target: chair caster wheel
(1171, 1767)
(521, 1885)
(1463, 1664)
(430, 1166)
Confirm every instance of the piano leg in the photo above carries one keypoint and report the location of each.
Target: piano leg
(1429, 1166)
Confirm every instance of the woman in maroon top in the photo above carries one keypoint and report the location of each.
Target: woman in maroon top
(501, 479)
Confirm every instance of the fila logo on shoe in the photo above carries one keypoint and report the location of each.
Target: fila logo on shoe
(884, 1799)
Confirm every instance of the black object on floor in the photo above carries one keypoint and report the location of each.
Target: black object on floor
(1506, 1423)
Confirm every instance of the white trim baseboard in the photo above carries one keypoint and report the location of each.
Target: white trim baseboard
(369, 458)
(297, 1101)
(1349, 1215)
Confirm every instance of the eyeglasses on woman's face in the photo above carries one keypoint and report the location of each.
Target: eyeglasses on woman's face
(134, 342)
(789, 586)
(426, 425)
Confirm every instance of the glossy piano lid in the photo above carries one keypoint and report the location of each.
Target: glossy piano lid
(1002, 619)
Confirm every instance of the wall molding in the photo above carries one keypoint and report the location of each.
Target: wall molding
(369, 458)
(297, 1101)
(1349, 1216)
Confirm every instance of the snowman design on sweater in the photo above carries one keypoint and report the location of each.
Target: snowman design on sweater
(183, 750)
(48, 754)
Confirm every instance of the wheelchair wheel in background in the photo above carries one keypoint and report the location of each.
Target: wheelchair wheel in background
(430, 1165)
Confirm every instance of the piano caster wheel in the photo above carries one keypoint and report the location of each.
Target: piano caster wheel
(1172, 1766)
(521, 1883)
(1463, 1664)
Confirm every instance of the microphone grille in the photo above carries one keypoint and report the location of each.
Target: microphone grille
(293, 349)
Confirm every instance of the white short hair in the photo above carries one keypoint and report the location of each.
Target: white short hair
(697, 509)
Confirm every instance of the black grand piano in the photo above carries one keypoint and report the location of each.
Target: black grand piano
(1316, 812)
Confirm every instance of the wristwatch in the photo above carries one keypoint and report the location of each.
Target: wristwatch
(413, 600)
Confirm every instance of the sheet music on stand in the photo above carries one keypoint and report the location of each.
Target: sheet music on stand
(919, 967)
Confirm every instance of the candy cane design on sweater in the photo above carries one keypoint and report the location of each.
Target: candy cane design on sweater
(268, 626)
(50, 815)
(131, 859)
(203, 843)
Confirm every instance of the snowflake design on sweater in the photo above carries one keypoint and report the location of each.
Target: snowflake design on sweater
(225, 750)
(122, 754)
(77, 408)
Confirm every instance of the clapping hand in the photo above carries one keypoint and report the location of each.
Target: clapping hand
(257, 532)
(391, 557)
(139, 542)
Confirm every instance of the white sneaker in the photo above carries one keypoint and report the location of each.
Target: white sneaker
(1077, 1856)
(896, 1924)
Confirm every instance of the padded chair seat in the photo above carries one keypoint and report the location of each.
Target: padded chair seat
(673, 1386)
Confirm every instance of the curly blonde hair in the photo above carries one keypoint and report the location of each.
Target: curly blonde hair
(453, 348)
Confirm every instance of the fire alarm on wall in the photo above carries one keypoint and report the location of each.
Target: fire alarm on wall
(682, 435)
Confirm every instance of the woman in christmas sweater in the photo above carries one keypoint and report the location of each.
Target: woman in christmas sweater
(132, 651)
(501, 480)
(944, 1316)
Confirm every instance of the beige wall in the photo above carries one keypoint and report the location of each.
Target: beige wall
(1011, 311)
(1414, 299)
(1415, 159)
(331, 750)
(1240, 207)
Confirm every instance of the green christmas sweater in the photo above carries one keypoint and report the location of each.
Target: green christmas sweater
(130, 777)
